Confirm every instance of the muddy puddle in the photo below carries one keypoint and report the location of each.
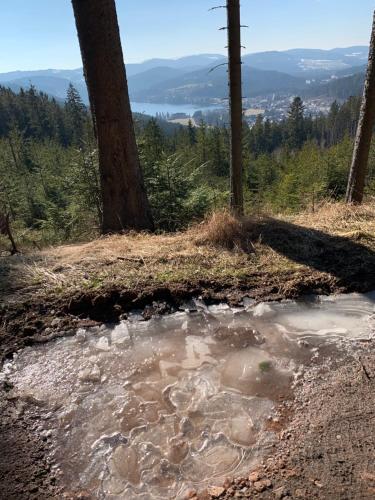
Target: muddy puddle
(147, 410)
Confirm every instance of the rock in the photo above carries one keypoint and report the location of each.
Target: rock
(55, 322)
(254, 476)
(215, 491)
(281, 492)
(262, 485)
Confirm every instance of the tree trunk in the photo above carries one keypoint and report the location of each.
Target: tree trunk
(125, 204)
(358, 170)
(235, 104)
(6, 231)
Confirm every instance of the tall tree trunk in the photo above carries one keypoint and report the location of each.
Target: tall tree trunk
(358, 170)
(235, 103)
(125, 204)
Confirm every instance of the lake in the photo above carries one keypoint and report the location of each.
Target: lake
(153, 109)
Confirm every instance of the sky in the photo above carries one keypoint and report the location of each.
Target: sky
(41, 34)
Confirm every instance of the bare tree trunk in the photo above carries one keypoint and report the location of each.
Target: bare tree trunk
(235, 103)
(358, 170)
(125, 204)
(5, 230)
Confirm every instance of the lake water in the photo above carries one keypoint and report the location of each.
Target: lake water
(153, 109)
(147, 410)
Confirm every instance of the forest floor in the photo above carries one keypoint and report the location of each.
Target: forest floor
(51, 292)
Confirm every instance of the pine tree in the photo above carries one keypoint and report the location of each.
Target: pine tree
(192, 134)
(296, 134)
(125, 204)
(76, 115)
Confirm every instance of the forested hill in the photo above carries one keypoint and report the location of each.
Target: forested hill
(49, 165)
(38, 116)
(340, 88)
(208, 83)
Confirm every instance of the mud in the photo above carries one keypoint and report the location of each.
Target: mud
(31, 318)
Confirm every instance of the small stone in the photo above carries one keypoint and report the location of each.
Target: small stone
(56, 322)
(254, 476)
(281, 492)
(262, 485)
(215, 491)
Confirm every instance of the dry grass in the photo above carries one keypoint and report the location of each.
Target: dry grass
(223, 230)
(220, 250)
(340, 218)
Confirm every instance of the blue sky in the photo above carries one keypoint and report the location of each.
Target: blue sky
(40, 34)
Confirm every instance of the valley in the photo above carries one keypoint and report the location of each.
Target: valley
(199, 82)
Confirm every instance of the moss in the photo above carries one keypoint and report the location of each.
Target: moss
(265, 366)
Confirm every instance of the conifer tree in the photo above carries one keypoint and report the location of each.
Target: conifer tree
(76, 115)
(295, 123)
(125, 203)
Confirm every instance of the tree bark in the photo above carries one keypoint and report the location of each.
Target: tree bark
(5, 230)
(358, 170)
(235, 104)
(125, 204)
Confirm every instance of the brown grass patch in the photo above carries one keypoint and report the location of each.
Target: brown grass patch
(223, 230)
(336, 240)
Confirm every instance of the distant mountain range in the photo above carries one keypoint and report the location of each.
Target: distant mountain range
(193, 79)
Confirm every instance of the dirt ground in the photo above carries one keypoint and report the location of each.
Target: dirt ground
(326, 447)
(24, 470)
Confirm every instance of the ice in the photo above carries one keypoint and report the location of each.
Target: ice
(102, 344)
(253, 371)
(147, 410)
(120, 335)
(262, 309)
(197, 352)
(124, 463)
(90, 374)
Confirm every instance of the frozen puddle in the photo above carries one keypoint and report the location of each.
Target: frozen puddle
(149, 409)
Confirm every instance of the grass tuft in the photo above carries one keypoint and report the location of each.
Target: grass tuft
(223, 230)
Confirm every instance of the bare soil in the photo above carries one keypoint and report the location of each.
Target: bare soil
(326, 447)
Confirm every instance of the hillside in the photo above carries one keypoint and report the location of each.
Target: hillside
(340, 88)
(308, 62)
(188, 79)
(207, 84)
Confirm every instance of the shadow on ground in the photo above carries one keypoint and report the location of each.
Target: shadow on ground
(351, 262)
